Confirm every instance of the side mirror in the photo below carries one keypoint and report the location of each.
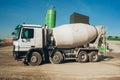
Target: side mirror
(13, 33)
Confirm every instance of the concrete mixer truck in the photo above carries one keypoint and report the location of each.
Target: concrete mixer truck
(35, 44)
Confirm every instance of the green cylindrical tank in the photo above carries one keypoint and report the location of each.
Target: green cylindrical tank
(50, 20)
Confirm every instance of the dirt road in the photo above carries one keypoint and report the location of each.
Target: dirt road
(108, 69)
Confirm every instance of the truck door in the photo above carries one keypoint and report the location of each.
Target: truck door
(27, 40)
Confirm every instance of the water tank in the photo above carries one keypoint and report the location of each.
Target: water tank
(50, 20)
(74, 35)
(79, 18)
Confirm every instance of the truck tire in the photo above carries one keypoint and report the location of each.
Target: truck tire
(56, 57)
(82, 56)
(93, 56)
(35, 59)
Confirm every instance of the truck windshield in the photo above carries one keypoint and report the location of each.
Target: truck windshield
(16, 33)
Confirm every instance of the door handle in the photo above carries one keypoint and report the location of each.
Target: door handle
(23, 40)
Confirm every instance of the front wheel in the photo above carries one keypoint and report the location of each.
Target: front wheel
(82, 56)
(35, 59)
(56, 57)
(93, 56)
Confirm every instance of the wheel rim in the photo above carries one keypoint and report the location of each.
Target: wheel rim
(83, 57)
(33, 59)
(56, 58)
(94, 57)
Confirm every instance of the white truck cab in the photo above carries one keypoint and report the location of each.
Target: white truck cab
(27, 36)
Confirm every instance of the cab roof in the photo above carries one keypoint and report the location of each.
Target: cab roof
(28, 25)
(31, 25)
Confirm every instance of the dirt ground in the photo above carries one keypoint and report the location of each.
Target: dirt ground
(107, 69)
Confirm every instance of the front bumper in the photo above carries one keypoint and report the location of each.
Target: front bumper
(19, 55)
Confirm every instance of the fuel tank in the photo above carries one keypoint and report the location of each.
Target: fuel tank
(74, 35)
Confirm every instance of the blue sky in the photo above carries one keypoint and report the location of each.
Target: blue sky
(14, 12)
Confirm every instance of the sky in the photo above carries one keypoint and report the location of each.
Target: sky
(14, 12)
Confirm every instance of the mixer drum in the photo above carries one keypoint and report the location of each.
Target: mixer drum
(74, 35)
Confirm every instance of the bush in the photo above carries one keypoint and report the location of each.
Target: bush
(5, 44)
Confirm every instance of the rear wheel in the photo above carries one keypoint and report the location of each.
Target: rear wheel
(56, 57)
(93, 56)
(35, 59)
(82, 57)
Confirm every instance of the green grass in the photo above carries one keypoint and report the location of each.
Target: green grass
(113, 38)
